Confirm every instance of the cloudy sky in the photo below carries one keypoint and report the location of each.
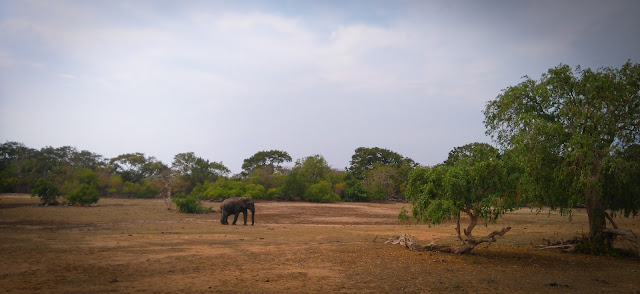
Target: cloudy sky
(225, 79)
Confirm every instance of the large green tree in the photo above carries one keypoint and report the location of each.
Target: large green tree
(265, 159)
(381, 172)
(365, 159)
(477, 184)
(134, 167)
(306, 172)
(18, 167)
(193, 169)
(563, 128)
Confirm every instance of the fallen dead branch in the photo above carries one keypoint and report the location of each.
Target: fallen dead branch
(574, 244)
(471, 242)
(410, 242)
(405, 240)
(627, 234)
(567, 246)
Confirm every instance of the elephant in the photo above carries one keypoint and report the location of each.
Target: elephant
(236, 205)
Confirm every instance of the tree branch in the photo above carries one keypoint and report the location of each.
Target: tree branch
(473, 222)
(610, 220)
(458, 228)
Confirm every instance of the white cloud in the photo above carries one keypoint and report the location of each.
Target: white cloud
(67, 76)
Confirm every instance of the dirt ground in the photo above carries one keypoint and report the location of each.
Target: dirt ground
(134, 245)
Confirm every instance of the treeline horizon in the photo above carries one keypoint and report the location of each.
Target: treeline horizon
(373, 174)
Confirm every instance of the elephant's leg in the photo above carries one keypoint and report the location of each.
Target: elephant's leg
(244, 213)
(235, 218)
(224, 218)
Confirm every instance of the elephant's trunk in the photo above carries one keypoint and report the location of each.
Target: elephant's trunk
(253, 212)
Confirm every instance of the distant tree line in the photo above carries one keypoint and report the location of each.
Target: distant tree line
(82, 177)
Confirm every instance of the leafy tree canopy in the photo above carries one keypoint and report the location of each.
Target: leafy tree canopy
(194, 169)
(306, 172)
(133, 167)
(365, 158)
(563, 128)
(11, 152)
(271, 159)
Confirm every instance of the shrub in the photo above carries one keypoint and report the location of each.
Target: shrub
(224, 188)
(274, 193)
(354, 191)
(321, 192)
(139, 190)
(83, 194)
(46, 190)
(115, 184)
(189, 204)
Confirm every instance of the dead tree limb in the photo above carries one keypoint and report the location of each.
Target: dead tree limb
(610, 220)
(472, 242)
(405, 240)
(628, 234)
(411, 243)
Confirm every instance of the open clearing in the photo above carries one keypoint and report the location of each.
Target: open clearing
(136, 245)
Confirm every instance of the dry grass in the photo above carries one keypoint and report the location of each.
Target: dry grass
(128, 245)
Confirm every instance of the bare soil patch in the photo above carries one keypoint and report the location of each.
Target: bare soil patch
(133, 245)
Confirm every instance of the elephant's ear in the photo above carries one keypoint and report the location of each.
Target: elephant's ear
(246, 201)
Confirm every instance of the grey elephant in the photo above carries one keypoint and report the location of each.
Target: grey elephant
(236, 205)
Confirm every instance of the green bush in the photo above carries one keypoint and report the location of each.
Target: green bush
(321, 192)
(274, 193)
(354, 192)
(46, 190)
(224, 188)
(139, 190)
(189, 204)
(83, 194)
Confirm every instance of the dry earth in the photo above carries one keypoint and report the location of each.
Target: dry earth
(131, 245)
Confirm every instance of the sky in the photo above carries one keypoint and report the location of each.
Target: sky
(226, 79)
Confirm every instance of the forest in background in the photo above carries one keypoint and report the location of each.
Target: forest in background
(374, 174)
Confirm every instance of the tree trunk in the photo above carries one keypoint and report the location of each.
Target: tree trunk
(595, 210)
(596, 214)
(167, 199)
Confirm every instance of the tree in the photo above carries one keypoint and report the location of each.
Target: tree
(563, 128)
(366, 158)
(478, 185)
(621, 181)
(18, 167)
(270, 159)
(166, 180)
(82, 187)
(306, 172)
(194, 169)
(321, 192)
(11, 152)
(225, 188)
(381, 182)
(382, 172)
(353, 190)
(267, 177)
(133, 167)
(47, 191)
(87, 159)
